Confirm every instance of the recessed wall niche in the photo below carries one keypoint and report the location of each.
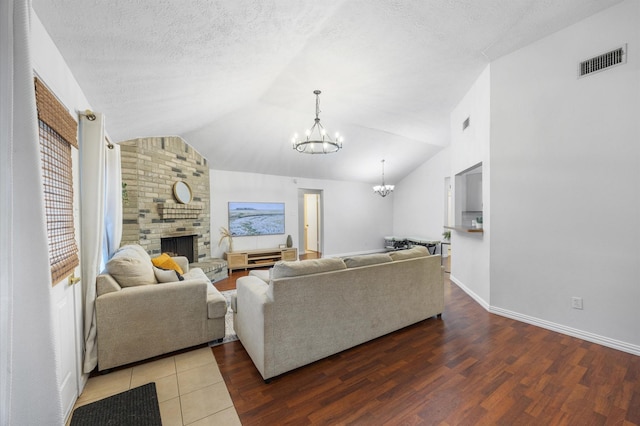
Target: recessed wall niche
(468, 196)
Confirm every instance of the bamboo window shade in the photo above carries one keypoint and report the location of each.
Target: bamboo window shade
(57, 132)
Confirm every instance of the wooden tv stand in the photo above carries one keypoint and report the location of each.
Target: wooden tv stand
(245, 259)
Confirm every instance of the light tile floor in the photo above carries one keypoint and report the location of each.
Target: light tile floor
(190, 388)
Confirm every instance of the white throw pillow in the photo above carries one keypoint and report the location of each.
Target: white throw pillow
(166, 275)
(130, 268)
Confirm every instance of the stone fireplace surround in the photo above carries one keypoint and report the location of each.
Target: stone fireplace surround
(150, 167)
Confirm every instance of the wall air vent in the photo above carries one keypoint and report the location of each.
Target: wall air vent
(602, 62)
(466, 123)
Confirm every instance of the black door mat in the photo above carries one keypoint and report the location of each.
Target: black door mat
(137, 406)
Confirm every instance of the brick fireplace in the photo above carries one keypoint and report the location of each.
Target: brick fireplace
(151, 214)
(180, 245)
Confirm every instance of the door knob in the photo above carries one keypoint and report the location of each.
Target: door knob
(73, 279)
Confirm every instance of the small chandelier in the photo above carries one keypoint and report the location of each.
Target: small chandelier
(383, 189)
(317, 139)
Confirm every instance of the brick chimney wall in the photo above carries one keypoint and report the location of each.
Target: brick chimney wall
(150, 167)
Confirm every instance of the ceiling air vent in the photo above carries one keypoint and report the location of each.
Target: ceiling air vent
(602, 62)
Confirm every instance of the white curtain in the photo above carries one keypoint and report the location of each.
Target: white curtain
(92, 190)
(112, 204)
(29, 385)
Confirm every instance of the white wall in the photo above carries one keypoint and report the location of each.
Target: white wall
(53, 71)
(418, 200)
(51, 68)
(471, 251)
(355, 219)
(565, 185)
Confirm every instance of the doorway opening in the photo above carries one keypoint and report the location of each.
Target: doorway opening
(310, 223)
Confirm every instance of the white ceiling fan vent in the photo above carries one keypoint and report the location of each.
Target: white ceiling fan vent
(602, 62)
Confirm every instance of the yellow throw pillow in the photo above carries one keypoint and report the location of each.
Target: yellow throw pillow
(165, 261)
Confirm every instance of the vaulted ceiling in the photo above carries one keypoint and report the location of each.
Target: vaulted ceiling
(236, 78)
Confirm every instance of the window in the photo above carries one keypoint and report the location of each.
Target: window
(57, 133)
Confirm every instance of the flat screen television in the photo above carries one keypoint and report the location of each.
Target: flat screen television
(247, 219)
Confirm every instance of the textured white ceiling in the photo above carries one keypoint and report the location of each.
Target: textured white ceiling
(236, 78)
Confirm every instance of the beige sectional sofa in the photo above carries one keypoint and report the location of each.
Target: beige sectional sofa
(304, 311)
(142, 312)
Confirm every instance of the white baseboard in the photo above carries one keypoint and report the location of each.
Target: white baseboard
(569, 331)
(474, 296)
(559, 328)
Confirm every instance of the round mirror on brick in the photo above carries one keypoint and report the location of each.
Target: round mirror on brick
(182, 192)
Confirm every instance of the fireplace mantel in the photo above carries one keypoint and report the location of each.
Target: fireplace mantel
(180, 211)
(179, 234)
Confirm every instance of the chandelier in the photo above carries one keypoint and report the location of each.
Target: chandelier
(317, 140)
(383, 189)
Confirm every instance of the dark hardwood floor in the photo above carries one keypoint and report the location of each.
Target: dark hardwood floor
(470, 368)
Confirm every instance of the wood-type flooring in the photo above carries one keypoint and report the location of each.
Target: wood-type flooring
(469, 368)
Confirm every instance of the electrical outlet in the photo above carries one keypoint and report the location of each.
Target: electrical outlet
(576, 302)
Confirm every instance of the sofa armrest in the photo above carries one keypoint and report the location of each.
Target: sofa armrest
(157, 302)
(251, 291)
(105, 283)
(252, 302)
(183, 263)
(216, 303)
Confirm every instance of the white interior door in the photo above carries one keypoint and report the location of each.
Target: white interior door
(311, 206)
(65, 317)
(67, 300)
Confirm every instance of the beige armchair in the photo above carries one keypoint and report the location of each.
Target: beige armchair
(138, 317)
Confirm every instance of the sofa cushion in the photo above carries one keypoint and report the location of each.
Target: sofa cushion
(263, 274)
(165, 261)
(129, 267)
(196, 274)
(296, 268)
(417, 251)
(167, 275)
(367, 259)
